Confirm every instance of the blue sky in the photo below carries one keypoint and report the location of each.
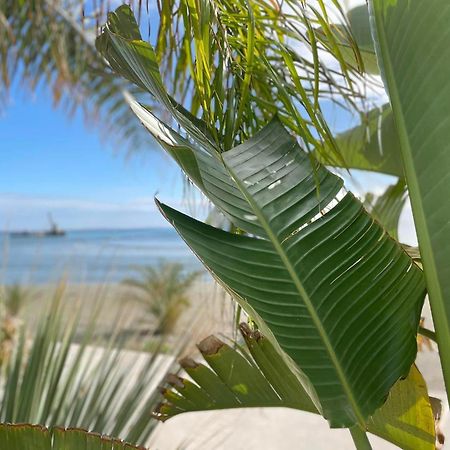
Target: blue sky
(50, 163)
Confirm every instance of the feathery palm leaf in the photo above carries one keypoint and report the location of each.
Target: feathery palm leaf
(238, 63)
(162, 290)
(51, 42)
(205, 61)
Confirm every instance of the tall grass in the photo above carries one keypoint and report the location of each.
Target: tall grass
(52, 377)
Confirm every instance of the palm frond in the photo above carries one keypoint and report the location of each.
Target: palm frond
(233, 64)
(237, 63)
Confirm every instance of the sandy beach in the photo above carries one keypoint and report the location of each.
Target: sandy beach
(211, 311)
(282, 428)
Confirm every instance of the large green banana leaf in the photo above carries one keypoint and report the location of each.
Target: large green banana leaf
(207, 172)
(36, 437)
(413, 46)
(256, 375)
(341, 298)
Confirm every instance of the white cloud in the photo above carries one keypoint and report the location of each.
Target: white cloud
(30, 212)
(18, 211)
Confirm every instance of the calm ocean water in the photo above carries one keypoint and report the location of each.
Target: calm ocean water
(88, 256)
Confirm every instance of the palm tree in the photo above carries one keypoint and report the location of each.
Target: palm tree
(51, 42)
(163, 292)
(14, 298)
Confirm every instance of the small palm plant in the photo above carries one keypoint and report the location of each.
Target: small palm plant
(15, 297)
(162, 290)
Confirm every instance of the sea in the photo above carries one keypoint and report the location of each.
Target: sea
(89, 256)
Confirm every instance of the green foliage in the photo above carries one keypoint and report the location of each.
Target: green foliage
(372, 145)
(254, 376)
(234, 64)
(407, 419)
(237, 63)
(358, 24)
(388, 207)
(162, 291)
(237, 80)
(290, 280)
(14, 298)
(337, 297)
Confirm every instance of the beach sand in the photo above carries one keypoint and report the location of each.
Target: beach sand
(211, 311)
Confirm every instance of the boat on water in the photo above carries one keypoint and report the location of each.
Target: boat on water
(53, 231)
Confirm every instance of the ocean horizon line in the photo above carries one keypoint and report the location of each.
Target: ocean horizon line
(36, 230)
